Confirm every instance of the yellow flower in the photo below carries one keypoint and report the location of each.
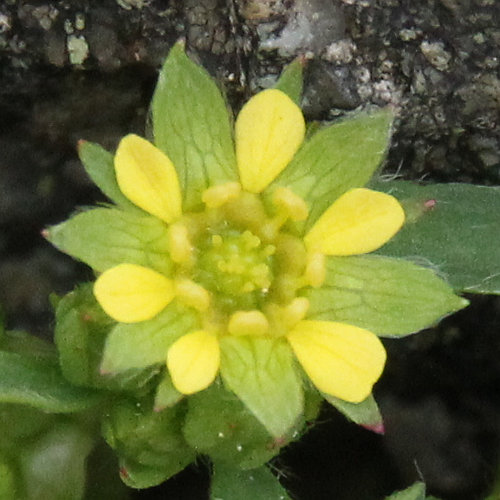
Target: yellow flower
(241, 262)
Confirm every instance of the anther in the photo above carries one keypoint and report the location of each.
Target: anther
(179, 245)
(292, 205)
(248, 323)
(192, 294)
(216, 196)
(296, 311)
(315, 273)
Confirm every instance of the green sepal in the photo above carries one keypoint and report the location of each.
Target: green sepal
(414, 492)
(261, 372)
(53, 467)
(106, 237)
(39, 383)
(218, 424)
(139, 476)
(366, 413)
(337, 158)
(99, 165)
(139, 345)
(228, 482)
(166, 394)
(192, 126)
(143, 437)
(80, 334)
(390, 297)
(313, 401)
(453, 226)
(291, 80)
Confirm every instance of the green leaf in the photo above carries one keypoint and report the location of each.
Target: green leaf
(390, 297)
(337, 158)
(106, 237)
(218, 424)
(21, 423)
(453, 226)
(166, 394)
(138, 345)
(39, 383)
(365, 413)
(415, 492)
(53, 467)
(28, 345)
(229, 483)
(192, 126)
(99, 164)
(260, 371)
(8, 489)
(291, 80)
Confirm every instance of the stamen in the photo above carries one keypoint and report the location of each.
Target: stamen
(250, 241)
(248, 323)
(296, 311)
(179, 245)
(216, 196)
(292, 205)
(315, 273)
(192, 294)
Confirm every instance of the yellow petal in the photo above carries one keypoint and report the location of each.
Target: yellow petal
(130, 293)
(147, 177)
(341, 360)
(269, 130)
(193, 361)
(360, 221)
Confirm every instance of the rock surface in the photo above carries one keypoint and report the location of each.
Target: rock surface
(87, 68)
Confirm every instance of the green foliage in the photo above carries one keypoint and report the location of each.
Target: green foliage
(106, 237)
(192, 126)
(365, 413)
(261, 373)
(150, 444)
(389, 297)
(342, 156)
(99, 165)
(218, 424)
(166, 394)
(40, 384)
(452, 227)
(81, 331)
(414, 492)
(290, 80)
(139, 345)
(230, 483)
(8, 488)
(42, 456)
(53, 466)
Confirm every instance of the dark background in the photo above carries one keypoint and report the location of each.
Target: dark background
(87, 68)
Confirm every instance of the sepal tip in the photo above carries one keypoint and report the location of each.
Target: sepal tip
(378, 428)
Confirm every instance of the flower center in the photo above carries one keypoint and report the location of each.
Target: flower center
(238, 257)
(236, 267)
